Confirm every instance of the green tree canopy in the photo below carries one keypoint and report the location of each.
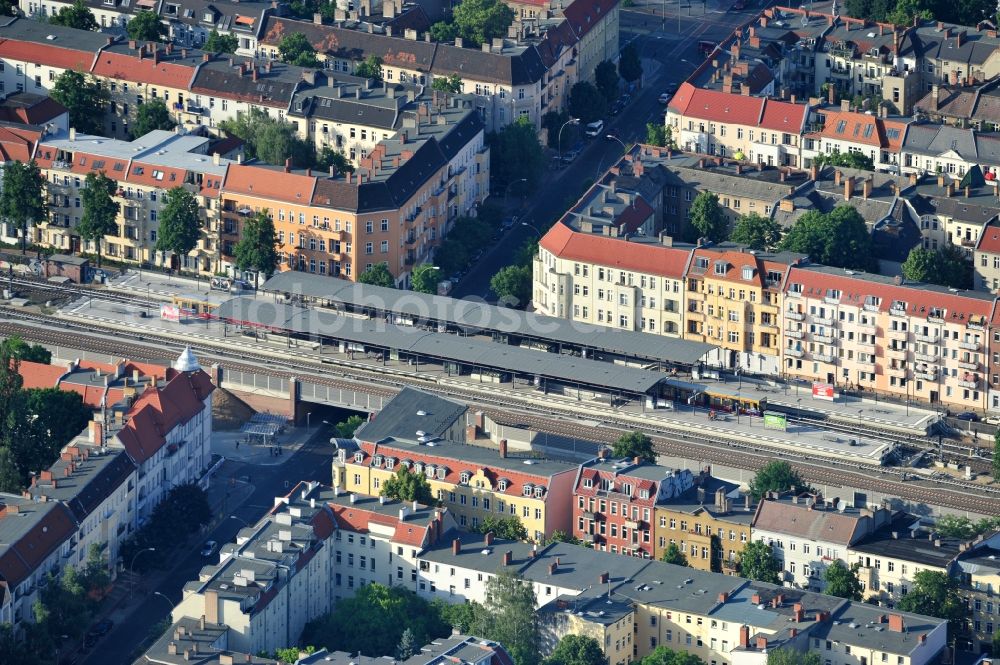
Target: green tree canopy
(377, 275)
(257, 247)
(18, 348)
(935, 594)
(634, 444)
(216, 43)
(758, 562)
(51, 418)
(508, 616)
(146, 25)
(328, 157)
(853, 160)
(151, 115)
(84, 97)
(512, 285)
(269, 139)
(450, 84)
(577, 650)
(756, 232)
(77, 15)
(373, 622)
(707, 218)
(946, 266)
(21, 199)
(629, 65)
(425, 278)
(662, 655)
(839, 238)
(100, 210)
(659, 135)
(508, 528)
(789, 656)
(295, 49)
(475, 21)
(457, 615)
(672, 554)
(345, 429)
(370, 68)
(587, 103)
(408, 486)
(606, 80)
(776, 476)
(515, 153)
(180, 224)
(842, 581)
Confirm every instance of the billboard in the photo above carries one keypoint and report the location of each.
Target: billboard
(170, 313)
(775, 421)
(824, 391)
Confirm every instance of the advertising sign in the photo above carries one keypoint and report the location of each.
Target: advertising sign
(823, 391)
(170, 313)
(775, 421)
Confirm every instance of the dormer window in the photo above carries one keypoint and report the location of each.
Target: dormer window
(643, 494)
(588, 483)
(418, 467)
(377, 461)
(539, 490)
(464, 478)
(528, 489)
(747, 273)
(627, 489)
(359, 457)
(429, 471)
(502, 486)
(721, 267)
(390, 462)
(441, 472)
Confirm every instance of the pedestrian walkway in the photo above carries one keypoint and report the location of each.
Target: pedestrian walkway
(234, 446)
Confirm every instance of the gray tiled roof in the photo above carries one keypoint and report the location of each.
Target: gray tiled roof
(400, 418)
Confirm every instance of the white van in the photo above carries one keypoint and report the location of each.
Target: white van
(595, 129)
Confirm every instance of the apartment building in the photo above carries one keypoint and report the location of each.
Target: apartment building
(713, 616)
(944, 149)
(594, 279)
(979, 582)
(806, 533)
(709, 521)
(143, 170)
(276, 577)
(891, 556)
(733, 299)
(986, 257)
(844, 131)
(908, 339)
(614, 503)
(972, 106)
(395, 209)
(955, 213)
(427, 435)
(754, 129)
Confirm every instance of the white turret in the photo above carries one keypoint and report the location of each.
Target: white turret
(186, 362)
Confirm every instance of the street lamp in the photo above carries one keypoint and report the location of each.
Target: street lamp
(240, 519)
(164, 597)
(615, 138)
(131, 570)
(571, 121)
(534, 228)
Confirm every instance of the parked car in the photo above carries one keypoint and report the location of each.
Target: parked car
(509, 222)
(971, 416)
(102, 627)
(209, 549)
(570, 155)
(665, 98)
(671, 88)
(594, 129)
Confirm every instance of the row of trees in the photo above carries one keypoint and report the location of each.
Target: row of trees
(475, 21)
(144, 25)
(902, 12)
(182, 513)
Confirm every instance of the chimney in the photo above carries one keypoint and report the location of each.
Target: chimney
(253, 73)
(848, 187)
(866, 188)
(553, 567)
(797, 612)
(156, 55)
(913, 178)
(831, 94)
(131, 44)
(458, 42)
(755, 599)
(205, 57)
(723, 597)
(968, 190)
(761, 642)
(508, 557)
(896, 623)
(923, 636)
(317, 18)
(456, 546)
(201, 622)
(288, 165)
(745, 637)
(941, 180)
(786, 205)
(604, 577)
(845, 105)
(488, 538)
(503, 448)
(837, 175)
(96, 432)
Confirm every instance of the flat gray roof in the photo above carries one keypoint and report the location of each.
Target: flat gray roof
(479, 315)
(444, 346)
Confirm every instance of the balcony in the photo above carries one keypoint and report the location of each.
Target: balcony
(895, 351)
(588, 538)
(975, 326)
(930, 338)
(822, 339)
(795, 353)
(869, 328)
(969, 383)
(896, 311)
(868, 361)
(794, 316)
(965, 364)
(898, 370)
(794, 334)
(822, 357)
(934, 318)
(588, 515)
(632, 524)
(969, 346)
(926, 375)
(926, 357)
(822, 320)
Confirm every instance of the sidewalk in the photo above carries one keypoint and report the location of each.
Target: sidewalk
(232, 445)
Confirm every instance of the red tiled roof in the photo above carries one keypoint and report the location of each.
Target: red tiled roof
(853, 127)
(894, 144)
(84, 163)
(735, 262)
(269, 183)
(583, 15)
(716, 106)
(155, 176)
(21, 558)
(783, 116)
(131, 68)
(989, 240)
(357, 519)
(46, 54)
(596, 475)
(17, 143)
(651, 259)
(40, 375)
(37, 114)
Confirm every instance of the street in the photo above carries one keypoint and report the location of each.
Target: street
(671, 46)
(311, 462)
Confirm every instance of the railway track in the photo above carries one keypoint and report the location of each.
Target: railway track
(954, 494)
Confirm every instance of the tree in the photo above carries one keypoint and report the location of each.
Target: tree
(100, 210)
(292, 654)
(374, 621)
(629, 65)
(408, 486)
(946, 266)
(84, 97)
(180, 224)
(634, 444)
(662, 655)
(587, 103)
(407, 645)
(508, 616)
(377, 275)
(256, 249)
(457, 615)
(674, 555)
(146, 25)
(707, 217)
(577, 650)
(151, 115)
(50, 418)
(842, 581)
(776, 476)
(512, 284)
(450, 84)
(606, 79)
(756, 232)
(216, 43)
(77, 15)
(370, 68)
(853, 160)
(475, 21)
(789, 656)
(18, 348)
(508, 528)
(10, 477)
(295, 49)
(995, 645)
(345, 429)
(21, 200)
(269, 139)
(757, 562)
(935, 594)
(515, 153)
(560, 536)
(839, 238)
(659, 135)
(425, 278)
(328, 157)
